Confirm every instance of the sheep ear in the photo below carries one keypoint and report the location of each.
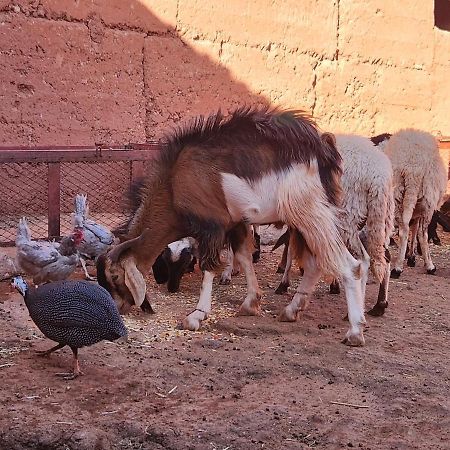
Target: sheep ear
(134, 280)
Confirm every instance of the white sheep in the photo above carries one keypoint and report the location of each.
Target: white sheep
(367, 201)
(420, 181)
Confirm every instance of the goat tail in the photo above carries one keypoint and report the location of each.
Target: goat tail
(380, 226)
(303, 205)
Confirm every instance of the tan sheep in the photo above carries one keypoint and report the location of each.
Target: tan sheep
(420, 180)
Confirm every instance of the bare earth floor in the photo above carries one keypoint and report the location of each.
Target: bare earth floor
(241, 382)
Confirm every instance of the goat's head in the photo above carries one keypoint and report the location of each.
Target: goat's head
(117, 272)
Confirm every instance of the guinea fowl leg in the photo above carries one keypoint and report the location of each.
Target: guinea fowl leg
(76, 367)
(51, 350)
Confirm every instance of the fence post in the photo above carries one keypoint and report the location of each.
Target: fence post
(54, 201)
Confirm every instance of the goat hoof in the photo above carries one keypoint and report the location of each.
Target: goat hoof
(378, 310)
(249, 310)
(431, 271)
(288, 315)
(354, 339)
(192, 322)
(224, 281)
(282, 288)
(280, 269)
(411, 261)
(395, 274)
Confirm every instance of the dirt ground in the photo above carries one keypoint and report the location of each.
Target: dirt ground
(241, 382)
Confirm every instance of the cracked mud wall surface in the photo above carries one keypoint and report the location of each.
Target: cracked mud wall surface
(80, 71)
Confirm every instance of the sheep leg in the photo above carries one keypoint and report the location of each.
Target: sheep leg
(282, 264)
(285, 281)
(299, 302)
(351, 280)
(382, 300)
(257, 253)
(252, 303)
(423, 240)
(432, 229)
(193, 320)
(365, 264)
(412, 245)
(403, 232)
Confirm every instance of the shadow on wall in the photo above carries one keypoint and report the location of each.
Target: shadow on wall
(106, 71)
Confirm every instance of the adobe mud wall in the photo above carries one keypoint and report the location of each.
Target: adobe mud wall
(113, 71)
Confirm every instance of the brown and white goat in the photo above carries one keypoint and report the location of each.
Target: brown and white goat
(255, 166)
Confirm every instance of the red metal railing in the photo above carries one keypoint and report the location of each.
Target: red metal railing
(40, 183)
(28, 175)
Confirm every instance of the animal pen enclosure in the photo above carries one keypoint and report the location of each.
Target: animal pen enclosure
(40, 183)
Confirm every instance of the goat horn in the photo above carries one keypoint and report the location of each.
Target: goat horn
(114, 254)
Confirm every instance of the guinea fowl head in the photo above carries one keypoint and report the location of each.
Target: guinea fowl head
(20, 284)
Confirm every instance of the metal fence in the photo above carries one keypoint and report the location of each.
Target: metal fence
(40, 184)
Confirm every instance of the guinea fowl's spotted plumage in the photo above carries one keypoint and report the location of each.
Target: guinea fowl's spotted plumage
(75, 313)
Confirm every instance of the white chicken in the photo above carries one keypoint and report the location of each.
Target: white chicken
(96, 238)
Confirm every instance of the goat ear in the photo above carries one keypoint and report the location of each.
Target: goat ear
(134, 280)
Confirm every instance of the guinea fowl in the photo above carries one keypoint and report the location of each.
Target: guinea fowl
(47, 261)
(73, 313)
(96, 238)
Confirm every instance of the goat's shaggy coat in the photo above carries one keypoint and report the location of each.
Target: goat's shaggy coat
(420, 181)
(256, 166)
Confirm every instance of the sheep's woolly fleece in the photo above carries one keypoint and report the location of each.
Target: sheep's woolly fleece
(420, 171)
(368, 197)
